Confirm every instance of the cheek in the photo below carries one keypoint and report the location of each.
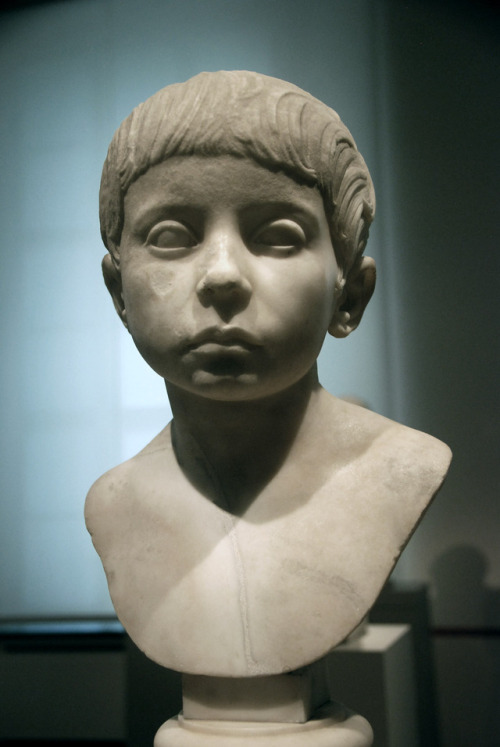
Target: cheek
(153, 296)
(314, 298)
(162, 284)
(149, 288)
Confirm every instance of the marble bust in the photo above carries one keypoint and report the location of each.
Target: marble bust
(254, 533)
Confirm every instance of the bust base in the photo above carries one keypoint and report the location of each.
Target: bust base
(332, 725)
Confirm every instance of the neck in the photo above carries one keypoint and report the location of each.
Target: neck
(231, 450)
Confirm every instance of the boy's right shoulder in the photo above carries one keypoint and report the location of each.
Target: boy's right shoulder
(126, 479)
(111, 483)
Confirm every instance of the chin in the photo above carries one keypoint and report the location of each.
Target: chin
(245, 387)
(227, 387)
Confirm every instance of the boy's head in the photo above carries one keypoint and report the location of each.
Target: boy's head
(250, 115)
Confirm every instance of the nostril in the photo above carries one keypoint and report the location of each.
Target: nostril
(213, 286)
(223, 283)
(227, 295)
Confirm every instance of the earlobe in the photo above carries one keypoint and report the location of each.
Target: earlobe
(357, 291)
(113, 280)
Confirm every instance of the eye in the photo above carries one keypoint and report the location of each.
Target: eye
(170, 234)
(283, 235)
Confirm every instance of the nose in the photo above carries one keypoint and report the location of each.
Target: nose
(224, 280)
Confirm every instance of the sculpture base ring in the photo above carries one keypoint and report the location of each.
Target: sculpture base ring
(332, 725)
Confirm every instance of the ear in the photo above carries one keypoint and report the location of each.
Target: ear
(113, 280)
(357, 291)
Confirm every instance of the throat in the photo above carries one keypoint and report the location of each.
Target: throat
(230, 472)
(230, 452)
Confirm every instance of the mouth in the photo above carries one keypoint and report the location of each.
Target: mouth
(227, 339)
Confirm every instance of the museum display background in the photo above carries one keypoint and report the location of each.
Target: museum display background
(416, 84)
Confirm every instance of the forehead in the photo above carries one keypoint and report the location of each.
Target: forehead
(221, 182)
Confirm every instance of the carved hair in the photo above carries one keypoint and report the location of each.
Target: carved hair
(245, 114)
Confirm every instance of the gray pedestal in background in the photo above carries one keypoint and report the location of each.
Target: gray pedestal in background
(374, 675)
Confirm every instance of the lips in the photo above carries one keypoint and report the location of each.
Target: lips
(228, 338)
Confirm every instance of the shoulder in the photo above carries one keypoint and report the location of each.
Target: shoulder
(411, 456)
(120, 484)
(396, 454)
(401, 470)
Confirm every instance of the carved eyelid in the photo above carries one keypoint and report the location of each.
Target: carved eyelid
(175, 227)
(293, 233)
(289, 232)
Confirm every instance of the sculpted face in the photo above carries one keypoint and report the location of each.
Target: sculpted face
(229, 278)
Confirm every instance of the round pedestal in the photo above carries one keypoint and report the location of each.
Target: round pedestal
(331, 726)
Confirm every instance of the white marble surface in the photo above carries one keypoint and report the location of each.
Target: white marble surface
(283, 584)
(333, 726)
(253, 534)
(285, 698)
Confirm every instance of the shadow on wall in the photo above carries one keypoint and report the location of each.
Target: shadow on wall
(460, 590)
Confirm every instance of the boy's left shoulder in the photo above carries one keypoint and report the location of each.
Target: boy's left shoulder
(407, 466)
(410, 453)
(398, 455)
